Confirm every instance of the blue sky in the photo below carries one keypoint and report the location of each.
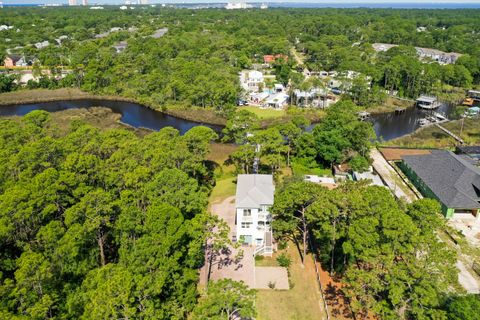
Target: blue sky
(337, 2)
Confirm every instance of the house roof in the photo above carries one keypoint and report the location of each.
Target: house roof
(14, 57)
(278, 98)
(426, 99)
(455, 181)
(469, 149)
(254, 190)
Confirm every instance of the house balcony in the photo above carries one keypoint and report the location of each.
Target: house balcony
(264, 216)
(247, 219)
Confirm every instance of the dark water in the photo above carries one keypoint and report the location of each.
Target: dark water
(387, 126)
(390, 125)
(133, 114)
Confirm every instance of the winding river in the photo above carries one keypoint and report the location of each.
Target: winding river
(387, 126)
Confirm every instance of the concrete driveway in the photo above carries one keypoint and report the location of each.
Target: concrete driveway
(234, 263)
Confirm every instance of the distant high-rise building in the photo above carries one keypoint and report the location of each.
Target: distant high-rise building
(72, 2)
(142, 1)
(84, 3)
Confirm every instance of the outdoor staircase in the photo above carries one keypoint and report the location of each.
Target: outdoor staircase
(266, 249)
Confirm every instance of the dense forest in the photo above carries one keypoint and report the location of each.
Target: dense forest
(381, 248)
(196, 62)
(100, 224)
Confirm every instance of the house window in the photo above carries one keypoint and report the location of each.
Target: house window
(247, 212)
(246, 225)
(264, 208)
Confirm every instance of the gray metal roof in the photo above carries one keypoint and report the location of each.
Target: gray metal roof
(455, 181)
(426, 99)
(469, 149)
(254, 190)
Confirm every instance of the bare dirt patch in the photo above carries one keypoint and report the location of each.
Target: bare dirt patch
(395, 154)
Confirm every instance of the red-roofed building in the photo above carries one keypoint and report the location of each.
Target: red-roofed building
(270, 58)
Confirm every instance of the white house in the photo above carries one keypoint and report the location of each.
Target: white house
(254, 198)
(251, 80)
(277, 100)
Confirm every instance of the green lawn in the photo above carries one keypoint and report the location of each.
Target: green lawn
(224, 188)
(302, 301)
(301, 170)
(224, 175)
(265, 113)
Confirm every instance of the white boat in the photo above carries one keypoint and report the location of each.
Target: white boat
(440, 116)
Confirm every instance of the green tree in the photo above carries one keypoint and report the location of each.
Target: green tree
(226, 299)
(239, 126)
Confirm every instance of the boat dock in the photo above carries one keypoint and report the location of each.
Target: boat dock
(453, 135)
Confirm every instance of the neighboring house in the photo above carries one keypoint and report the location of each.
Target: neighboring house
(374, 178)
(14, 60)
(423, 53)
(278, 87)
(251, 80)
(254, 198)
(437, 55)
(269, 58)
(470, 153)
(277, 100)
(41, 45)
(119, 47)
(258, 98)
(327, 182)
(447, 177)
(5, 27)
(341, 172)
(159, 33)
(60, 39)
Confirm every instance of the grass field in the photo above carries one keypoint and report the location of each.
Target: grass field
(301, 170)
(224, 174)
(390, 105)
(302, 301)
(265, 113)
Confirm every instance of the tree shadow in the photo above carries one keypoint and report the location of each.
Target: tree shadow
(338, 302)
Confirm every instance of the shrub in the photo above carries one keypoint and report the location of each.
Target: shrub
(282, 245)
(284, 260)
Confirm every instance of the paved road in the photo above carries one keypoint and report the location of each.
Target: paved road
(391, 177)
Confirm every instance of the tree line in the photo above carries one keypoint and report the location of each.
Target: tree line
(196, 62)
(339, 138)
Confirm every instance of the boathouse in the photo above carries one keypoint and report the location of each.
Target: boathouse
(427, 102)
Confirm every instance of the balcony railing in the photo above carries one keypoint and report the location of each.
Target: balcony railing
(264, 216)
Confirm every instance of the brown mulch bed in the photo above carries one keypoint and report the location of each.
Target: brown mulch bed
(395, 154)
